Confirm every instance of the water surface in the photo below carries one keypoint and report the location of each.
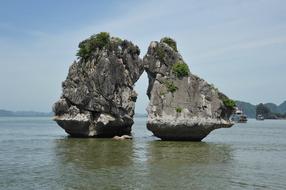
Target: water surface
(36, 154)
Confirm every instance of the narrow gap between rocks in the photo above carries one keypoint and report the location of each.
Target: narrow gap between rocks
(140, 118)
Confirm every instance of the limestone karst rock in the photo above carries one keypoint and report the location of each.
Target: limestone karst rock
(98, 98)
(182, 106)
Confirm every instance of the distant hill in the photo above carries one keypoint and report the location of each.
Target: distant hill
(250, 109)
(7, 113)
(272, 107)
(282, 107)
(277, 108)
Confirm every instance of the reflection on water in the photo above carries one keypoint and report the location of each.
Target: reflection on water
(35, 154)
(107, 163)
(90, 163)
(187, 164)
(94, 153)
(188, 152)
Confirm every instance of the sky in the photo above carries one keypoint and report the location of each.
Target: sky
(237, 45)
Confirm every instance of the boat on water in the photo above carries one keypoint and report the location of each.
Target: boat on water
(239, 116)
(259, 117)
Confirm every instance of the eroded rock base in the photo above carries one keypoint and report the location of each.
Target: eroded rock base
(183, 132)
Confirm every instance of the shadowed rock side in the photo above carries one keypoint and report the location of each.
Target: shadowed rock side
(182, 106)
(98, 98)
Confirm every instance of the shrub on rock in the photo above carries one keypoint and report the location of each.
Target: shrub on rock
(87, 46)
(180, 69)
(172, 43)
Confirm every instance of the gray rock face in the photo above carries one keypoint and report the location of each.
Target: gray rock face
(98, 98)
(182, 106)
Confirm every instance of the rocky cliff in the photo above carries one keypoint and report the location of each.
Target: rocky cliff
(182, 105)
(98, 98)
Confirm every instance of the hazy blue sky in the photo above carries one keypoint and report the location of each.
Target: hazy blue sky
(238, 45)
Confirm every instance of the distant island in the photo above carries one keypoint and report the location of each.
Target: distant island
(268, 110)
(7, 113)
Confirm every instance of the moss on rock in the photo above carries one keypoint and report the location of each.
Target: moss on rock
(179, 110)
(170, 86)
(180, 69)
(172, 43)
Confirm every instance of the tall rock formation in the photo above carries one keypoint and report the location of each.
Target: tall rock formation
(98, 98)
(182, 106)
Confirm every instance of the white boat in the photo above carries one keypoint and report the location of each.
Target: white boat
(239, 116)
(259, 117)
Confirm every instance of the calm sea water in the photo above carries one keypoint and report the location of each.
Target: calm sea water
(36, 154)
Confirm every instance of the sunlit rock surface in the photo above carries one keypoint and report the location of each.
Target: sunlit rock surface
(182, 105)
(98, 98)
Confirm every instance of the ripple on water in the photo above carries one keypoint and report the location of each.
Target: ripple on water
(36, 154)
